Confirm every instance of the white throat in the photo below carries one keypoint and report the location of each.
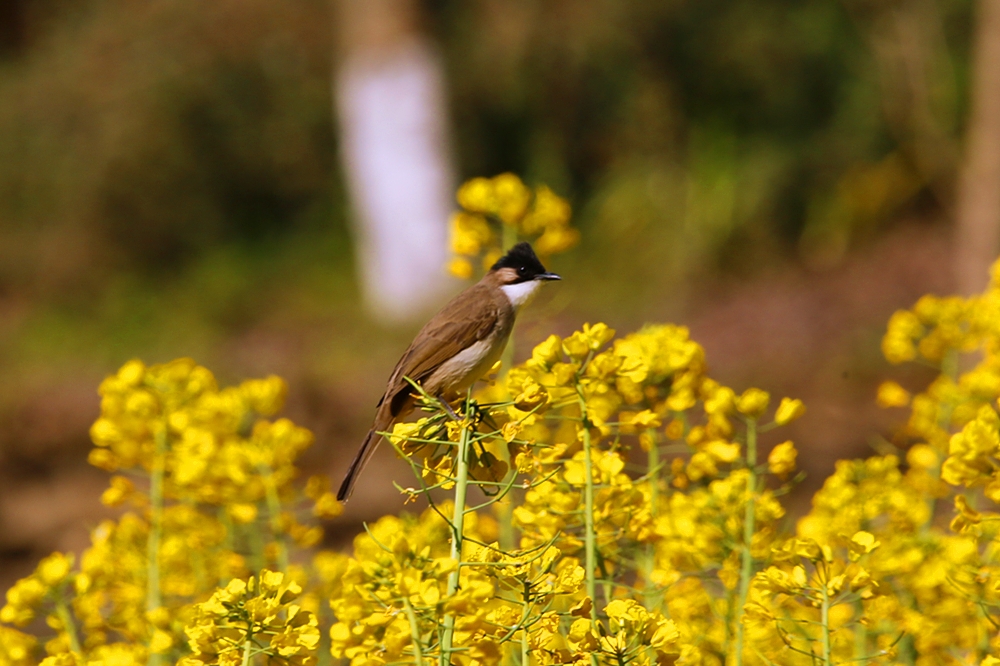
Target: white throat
(520, 293)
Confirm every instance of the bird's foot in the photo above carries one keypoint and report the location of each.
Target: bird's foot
(451, 412)
(470, 410)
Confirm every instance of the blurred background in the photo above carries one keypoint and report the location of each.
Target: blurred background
(225, 181)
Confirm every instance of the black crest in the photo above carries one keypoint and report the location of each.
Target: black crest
(522, 259)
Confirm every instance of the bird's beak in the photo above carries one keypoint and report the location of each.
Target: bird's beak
(547, 276)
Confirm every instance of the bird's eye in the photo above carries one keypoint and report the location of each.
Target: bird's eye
(522, 270)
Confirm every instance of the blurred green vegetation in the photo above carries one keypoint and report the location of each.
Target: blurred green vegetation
(167, 176)
(169, 173)
(719, 134)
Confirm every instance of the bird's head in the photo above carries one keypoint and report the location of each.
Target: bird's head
(519, 273)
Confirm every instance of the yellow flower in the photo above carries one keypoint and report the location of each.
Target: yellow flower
(971, 452)
(16, 648)
(119, 491)
(721, 451)
(531, 396)
(665, 634)
(720, 400)
(788, 411)
(62, 657)
(54, 569)
(753, 402)
(898, 343)
(640, 420)
(549, 211)
(485, 652)
(582, 635)
(160, 642)
(511, 197)
(589, 339)
(922, 456)
(477, 196)
(547, 352)
(781, 460)
(131, 374)
(327, 506)
(865, 542)
(23, 600)
(470, 233)
(555, 241)
(891, 394)
(460, 268)
(243, 513)
(265, 396)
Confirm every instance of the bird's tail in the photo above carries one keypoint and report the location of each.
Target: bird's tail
(360, 460)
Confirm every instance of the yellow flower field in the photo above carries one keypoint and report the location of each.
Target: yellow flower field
(554, 545)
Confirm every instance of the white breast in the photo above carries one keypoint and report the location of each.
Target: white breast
(520, 293)
(463, 369)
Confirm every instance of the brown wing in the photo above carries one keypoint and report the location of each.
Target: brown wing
(460, 324)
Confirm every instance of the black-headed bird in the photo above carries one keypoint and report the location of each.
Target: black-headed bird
(456, 347)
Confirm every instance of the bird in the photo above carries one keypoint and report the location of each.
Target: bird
(456, 347)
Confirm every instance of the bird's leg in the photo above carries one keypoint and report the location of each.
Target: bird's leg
(479, 413)
(447, 408)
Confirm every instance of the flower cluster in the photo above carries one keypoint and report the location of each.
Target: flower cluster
(395, 592)
(250, 618)
(608, 502)
(210, 484)
(212, 446)
(594, 539)
(27, 597)
(497, 212)
(812, 600)
(633, 634)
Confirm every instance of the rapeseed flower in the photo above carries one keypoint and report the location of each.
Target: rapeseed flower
(497, 212)
(637, 522)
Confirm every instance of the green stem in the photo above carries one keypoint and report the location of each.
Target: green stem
(274, 515)
(860, 635)
(825, 619)
(458, 526)
(418, 652)
(589, 536)
(254, 533)
(229, 543)
(153, 597)
(62, 611)
(525, 648)
(323, 656)
(746, 570)
(651, 595)
(653, 471)
(505, 514)
(246, 650)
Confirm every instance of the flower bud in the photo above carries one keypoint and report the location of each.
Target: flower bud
(789, 410)
(753, 402)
